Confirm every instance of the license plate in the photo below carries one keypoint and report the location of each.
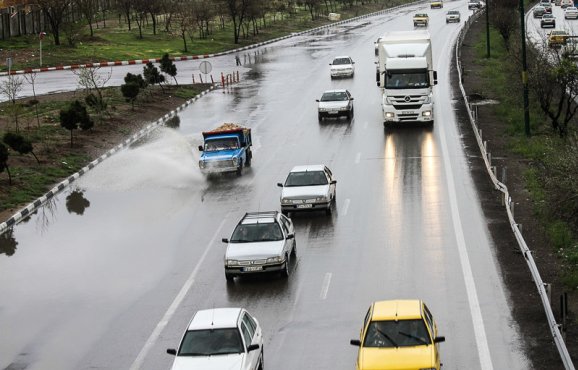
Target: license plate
(253, 268)
(407, 112)
(304, 205)
(333, 112)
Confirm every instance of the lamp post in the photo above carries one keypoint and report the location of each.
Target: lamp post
(524, 71)
(41, 37)
(487, 28)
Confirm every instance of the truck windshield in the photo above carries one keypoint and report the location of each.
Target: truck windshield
(406, 79)
(221, 144)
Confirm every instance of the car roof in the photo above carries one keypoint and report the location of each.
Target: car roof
(310, 167)
(396, 310)
(342, 56)
(215, 318)
(266, 217)
(335, 90)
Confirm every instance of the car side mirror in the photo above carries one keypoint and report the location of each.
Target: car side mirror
(252, 347)
(200, 148)
(172, 351)
(291, 236)
(333, 182)
(435, 76)
(316, 100)
(225, 240)
(439, 339)
(279, 185)
(330, 64)
(351, 98)
(355, 342)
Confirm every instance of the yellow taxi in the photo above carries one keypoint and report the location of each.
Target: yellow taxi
(436, 4)
(557, 38)
(398, 334)
(420, 19)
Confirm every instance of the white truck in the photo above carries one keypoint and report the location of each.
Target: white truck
(405, 74)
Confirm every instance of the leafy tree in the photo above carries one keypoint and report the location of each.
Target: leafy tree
(169, 67)
(136, 79)
(4, 162)
(130, 92)
(20, 144)
(152, 75)
(75, 117)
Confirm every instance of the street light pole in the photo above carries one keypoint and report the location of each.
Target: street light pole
(524, 71)
(487, 28)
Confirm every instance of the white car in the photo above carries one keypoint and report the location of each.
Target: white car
(261, 242)
(335, 103)
(342, 67)
(220, 339)
(308, 188)
(566, 3)
(571, 12)
(453, 16)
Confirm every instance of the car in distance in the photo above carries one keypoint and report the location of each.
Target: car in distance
(308, 188)
(453, 16)
(261, 242)
(566, 3)
(538, 11)
(570, 49)
(548, 20)
(557, 2)
(342, 67)
(547, 6)
(335, 103)
(474, 4)
(571, 12)
(557, 38)
(220, 338)
(398, 334)
(436, 4)
(420, 19)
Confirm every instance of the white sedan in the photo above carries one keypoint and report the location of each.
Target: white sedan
(335, 103)
(571, 12)
(220, 339)
(308, 188)
(342, 67)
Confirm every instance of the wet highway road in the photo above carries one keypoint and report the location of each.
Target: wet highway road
(113, 283)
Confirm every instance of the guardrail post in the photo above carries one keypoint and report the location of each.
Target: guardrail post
(548, 288)
(490, 160)
(512, 208)
(494, 170)
(222, 79)
(563, 312)
(504, 174)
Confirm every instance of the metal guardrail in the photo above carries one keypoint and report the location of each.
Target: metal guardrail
(527, 253)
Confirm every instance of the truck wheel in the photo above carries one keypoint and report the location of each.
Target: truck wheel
(319, 117)
(249, 157)
(240, 168)
(229, 277)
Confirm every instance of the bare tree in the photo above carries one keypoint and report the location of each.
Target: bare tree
(31, 79)
(11, 88)
(125, 8)
(56, 12)
(237, 11)
(93, 83)
(504, 17)
(89, 9)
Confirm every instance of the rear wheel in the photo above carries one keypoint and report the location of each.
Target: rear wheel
(249, 157)
(319, 117)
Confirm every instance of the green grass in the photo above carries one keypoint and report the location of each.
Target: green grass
(544, 148)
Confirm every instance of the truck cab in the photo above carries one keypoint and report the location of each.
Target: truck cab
(225, 149)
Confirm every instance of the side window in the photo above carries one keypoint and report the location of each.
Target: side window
(328, 171)
(285, 225)
(366, 320)
(251, 323)
(429, 320)
(246, 334)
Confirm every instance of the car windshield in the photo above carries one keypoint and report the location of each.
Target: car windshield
(401, 333)
(258, 232)
(221, 144)
(421, 15)
(453, 12)
(306, 178)
(334, 96)
(211, 342)
(406, 79)
(340, 61)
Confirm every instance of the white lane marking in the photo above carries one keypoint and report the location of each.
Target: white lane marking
(345, 207)
(173, 307)
(325, 285)
(476, 312)
(358, 158)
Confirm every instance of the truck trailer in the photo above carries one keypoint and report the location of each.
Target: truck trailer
(406, 76)
(227, 148)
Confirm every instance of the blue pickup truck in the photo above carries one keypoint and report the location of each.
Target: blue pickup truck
(226, 149)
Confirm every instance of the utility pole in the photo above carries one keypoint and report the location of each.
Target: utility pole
(524, 71)
(487, 28)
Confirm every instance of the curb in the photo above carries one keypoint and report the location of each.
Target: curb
(202, 56)
(30, 208)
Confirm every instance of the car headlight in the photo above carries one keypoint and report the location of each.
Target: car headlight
(426, 113)
(277, 259)
(285, 201)
(235, 161)
(321, 199)
(323, 109)
(202, 164)
(232, 263)
(341, 109)
(389, 115)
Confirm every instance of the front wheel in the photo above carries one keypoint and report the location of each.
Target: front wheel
(262, 361)
(229, 277)
(285, 272)
(240, 168)
(319, 117)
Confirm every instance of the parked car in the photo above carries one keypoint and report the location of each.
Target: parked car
(548, 20)
(308, 188)
(420, 19)
(342, 67)
(261, 242)
(398, 334)
(220, 338)
(453, 16)
(474, 4)
(539, 11)
(436, 4)
(566, 3)
(557, 38)
(571, 12)
(335, 103)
